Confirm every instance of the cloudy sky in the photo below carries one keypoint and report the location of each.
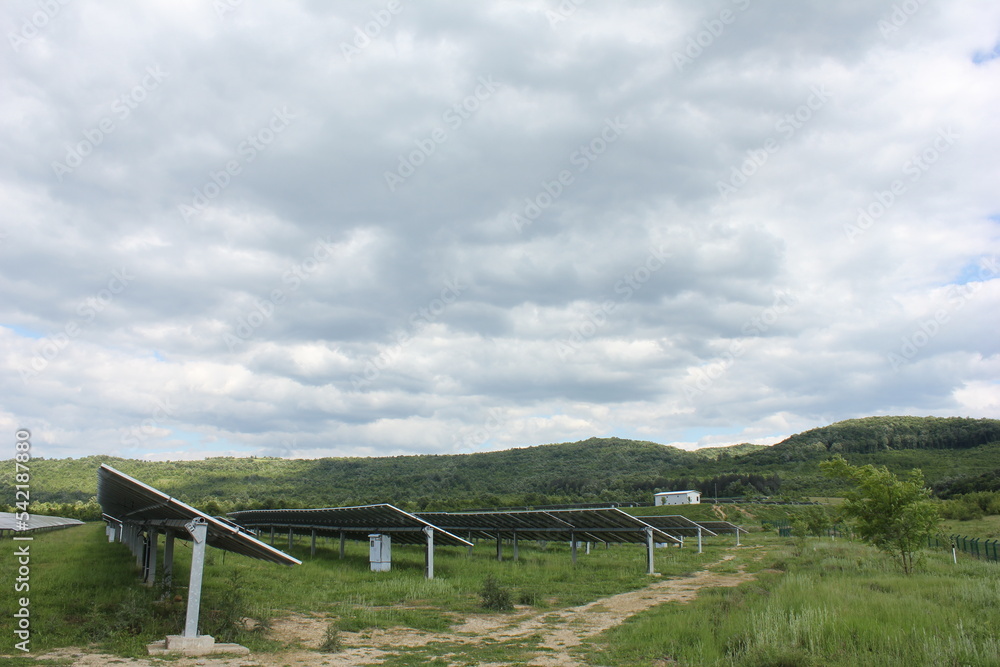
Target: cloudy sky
(244, 228)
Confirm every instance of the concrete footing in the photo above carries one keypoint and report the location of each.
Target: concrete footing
(200, 645)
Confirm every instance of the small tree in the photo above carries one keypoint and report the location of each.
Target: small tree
(891, 514)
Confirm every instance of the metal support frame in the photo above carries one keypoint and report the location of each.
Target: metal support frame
(737, 536)
(312, 546)
(341, 544)
(469, 553)
(699, 539)
(199, 535)
(168, 559)
(429, 555)
(499, 548)
(649, 552)
(572, 546)
(151, 548)
(290, 538)
(140, 549)
(516, 554)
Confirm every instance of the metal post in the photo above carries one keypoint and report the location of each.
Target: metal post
(168, 559)
(312, 547)
(588, 548)
(140, 551)
(516, 554)
(572, 546)
(289, 538)
(151, 554)
(429, 556)
(699, 539)
(737, 536)
(499, 548)
(341, 544)
(649, 551)
(199, 533)
(469, 554)
(272, 536)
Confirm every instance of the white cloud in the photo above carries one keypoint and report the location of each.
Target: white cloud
(636, 280)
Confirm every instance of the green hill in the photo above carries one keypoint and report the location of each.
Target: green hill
(953, 452)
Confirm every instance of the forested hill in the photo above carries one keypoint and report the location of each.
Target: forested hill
(954, 453)
(875, 434)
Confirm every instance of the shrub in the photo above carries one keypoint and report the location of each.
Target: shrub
(494, 596)
(331, 639)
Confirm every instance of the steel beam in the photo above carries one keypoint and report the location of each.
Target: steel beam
(649, 551)
(429, 555)
(168, 560)
(199, 534)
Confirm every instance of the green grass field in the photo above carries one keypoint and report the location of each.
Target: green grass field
(813, 602)
(824, 602)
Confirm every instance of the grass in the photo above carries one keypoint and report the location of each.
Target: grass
(822, 602)
(838, 603)
(84, 591)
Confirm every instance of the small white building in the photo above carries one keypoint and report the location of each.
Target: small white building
(677, 498)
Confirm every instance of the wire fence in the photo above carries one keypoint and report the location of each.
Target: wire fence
(976, 547)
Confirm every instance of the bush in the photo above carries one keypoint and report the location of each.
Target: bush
(494, 596)
(331, 639)
(527, 596)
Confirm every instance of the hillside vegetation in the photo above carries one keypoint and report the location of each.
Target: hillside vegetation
(953, 453)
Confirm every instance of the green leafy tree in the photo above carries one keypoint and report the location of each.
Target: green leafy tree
(892, 514)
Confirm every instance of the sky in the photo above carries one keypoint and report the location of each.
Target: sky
(309, 229)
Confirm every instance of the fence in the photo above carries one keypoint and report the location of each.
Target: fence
(974, 546)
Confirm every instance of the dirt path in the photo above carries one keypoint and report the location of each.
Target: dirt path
(559, 631)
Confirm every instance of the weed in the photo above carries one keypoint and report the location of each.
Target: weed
(494, 596)
(332, 642)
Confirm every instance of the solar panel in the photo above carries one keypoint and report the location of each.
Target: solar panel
(722, 526)
(129, 501)
(9, 522)
(676, 524)
(356, 523)
(606, 524)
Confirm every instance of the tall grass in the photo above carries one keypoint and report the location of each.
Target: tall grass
(838, 604)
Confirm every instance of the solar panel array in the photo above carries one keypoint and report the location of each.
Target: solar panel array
(126, 500)
(592, 525)
(9, 523)
(676, 524)
(356, 523)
